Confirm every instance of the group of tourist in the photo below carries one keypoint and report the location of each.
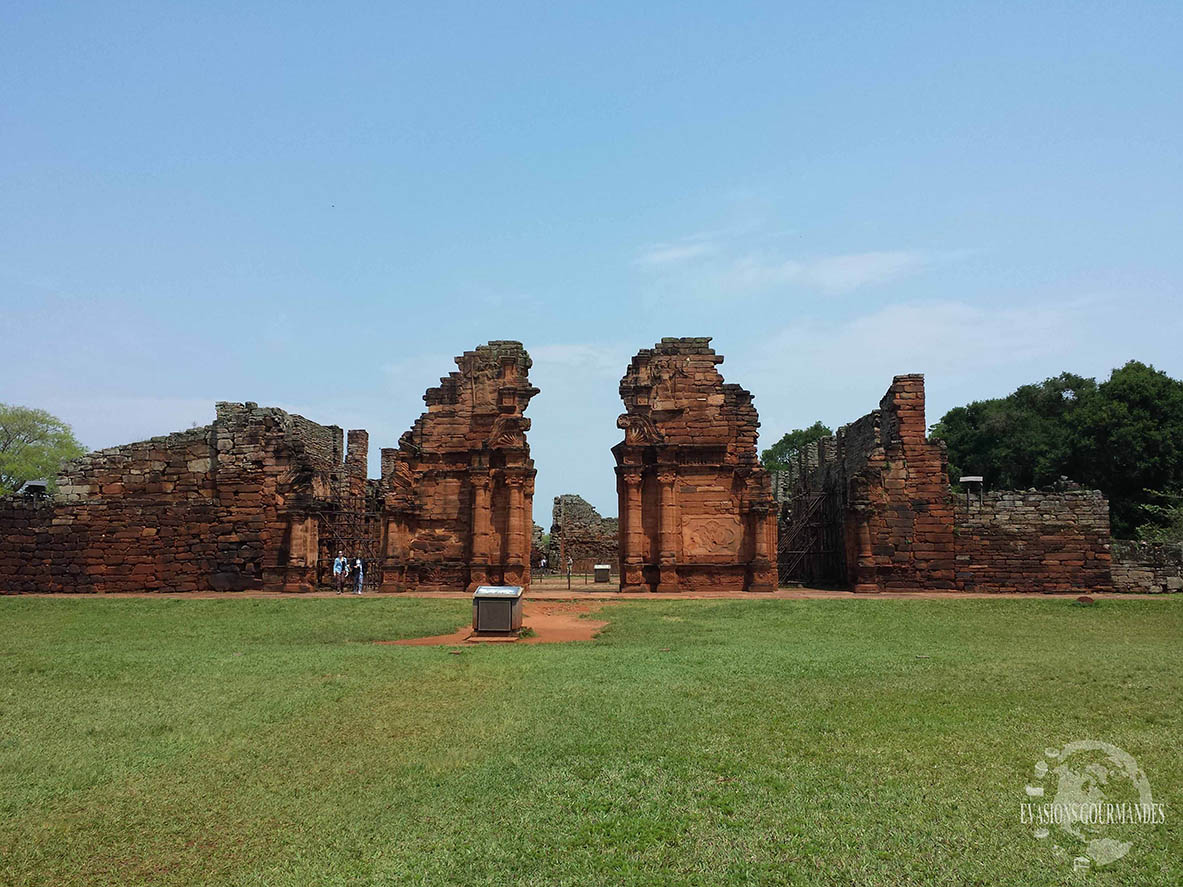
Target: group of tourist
(343, 568)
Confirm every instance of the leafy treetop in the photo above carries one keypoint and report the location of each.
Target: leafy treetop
(778, 456)
(1123, 436)
(33, 445)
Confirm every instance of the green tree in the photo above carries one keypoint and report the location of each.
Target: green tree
(1129, 441)
(778, 456)
(1164, 518)
(1123, 437)
(1018, 441)
(33, 445)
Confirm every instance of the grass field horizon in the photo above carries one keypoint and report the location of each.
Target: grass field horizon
(870, 742)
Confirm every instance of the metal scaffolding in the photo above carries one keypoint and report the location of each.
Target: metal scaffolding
(810, 548)
(357, 532)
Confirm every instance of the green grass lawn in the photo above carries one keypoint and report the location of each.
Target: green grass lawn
(247, 741)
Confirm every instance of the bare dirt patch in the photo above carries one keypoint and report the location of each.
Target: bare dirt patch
(549, 622)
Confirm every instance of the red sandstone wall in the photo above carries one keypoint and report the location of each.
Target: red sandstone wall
(112, 547)
(1033, 541)
(227, 506)
(458, 492)
(696, 508)
(902, 531)
(578, 532)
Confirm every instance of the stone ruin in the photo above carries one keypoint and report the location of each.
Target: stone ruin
(696, 507)
(871, 508)
(233, 505)
(458, 492)
(262, 499)
(578, 532)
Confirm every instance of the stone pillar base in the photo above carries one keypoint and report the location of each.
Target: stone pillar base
(764, 578)
(631, 579)
(478, 575)
(396, 578)
(667, 582)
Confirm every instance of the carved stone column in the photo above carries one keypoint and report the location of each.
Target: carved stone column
(299, 572)
(527, 530)
(763, 567)
(669, 529)
(516, 557)
(631, 574)
(865, 580)
(478, 573)
(397, 574)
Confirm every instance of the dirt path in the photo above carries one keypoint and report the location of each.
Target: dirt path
(552, 622)
(551, 589)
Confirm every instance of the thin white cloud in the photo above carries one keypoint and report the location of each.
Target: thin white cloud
(831, 274)
(725, 264)
(850, 272)
(666, 254)
(941, 336)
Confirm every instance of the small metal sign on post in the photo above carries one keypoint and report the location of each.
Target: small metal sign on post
(972, 479)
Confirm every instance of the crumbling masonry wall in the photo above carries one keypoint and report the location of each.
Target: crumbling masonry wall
(578, 532)
(696, 509)
(894, 516)
(230, 506)
(900, 528)
(458, 491)
(1039, 541)
(1152, 567)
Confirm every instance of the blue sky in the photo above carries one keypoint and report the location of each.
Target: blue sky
(318, 206)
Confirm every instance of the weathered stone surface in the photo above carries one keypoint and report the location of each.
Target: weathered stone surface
(230, 505)
(1153, 567)
(696, 509)
(578, 532)
(901, 530)
(458, 491)
(1041, 541)
(263, 499)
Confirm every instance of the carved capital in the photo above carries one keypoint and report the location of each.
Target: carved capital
(638, 430)
(632, 479)
(508, 432)
(667, 476)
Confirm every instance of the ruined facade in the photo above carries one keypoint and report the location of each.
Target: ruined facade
(236, 504)
(871, 509)
(457, 494)
(876, 495)
(578, 532)
(696, 508)
(263, 499)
